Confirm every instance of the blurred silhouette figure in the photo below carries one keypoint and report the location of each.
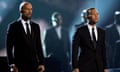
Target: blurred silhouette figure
(83, 19)
(113, 42)
(58, 46)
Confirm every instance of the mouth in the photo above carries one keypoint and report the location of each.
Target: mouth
(29, 15)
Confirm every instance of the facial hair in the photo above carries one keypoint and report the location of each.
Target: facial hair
(92, 23)
(25, 17)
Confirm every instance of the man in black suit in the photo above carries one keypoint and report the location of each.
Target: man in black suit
(113, 42)
(91, 40)
(57, 45)
(24, 47)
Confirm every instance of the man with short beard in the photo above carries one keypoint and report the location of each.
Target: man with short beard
(23, 43)
(91, 41)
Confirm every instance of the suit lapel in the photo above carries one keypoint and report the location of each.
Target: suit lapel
(21, 28)
(56, 35)
(62, 32)
(99, 35)
(32, 30)
(116, 32)
(88, 36)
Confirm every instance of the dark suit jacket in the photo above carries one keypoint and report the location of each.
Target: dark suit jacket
(58, 48)
(113, 46)
(90, 59)
(27, 53)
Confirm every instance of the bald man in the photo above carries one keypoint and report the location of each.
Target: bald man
(23, 43)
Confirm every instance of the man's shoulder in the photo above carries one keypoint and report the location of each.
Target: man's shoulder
(33, 22)
(100, 28)
(82, 27)
(14, 23)
(50, 29)
(110, 26)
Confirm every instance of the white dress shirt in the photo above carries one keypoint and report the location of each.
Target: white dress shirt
(58, 30)
(90, 31)
(118, 29)
(24, 25)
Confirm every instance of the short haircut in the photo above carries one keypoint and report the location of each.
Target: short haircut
(89, 10)
(54, 15)
(22, 4)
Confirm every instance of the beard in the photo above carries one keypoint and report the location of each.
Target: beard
(26, 17)
(92, 22)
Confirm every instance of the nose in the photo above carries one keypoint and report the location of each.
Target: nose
(30, 11)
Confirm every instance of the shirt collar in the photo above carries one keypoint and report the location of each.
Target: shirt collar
(23, 21)
(58, 28)
(90, 27)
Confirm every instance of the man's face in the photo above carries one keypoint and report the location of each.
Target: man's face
(26, 11)
(59, 20)
(93, 16)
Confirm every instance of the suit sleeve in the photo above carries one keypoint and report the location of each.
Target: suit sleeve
(39, 47)
(67, 44)
(47, 42)
(69, 48)
(75, 46)
(10, 44)
(104, 51)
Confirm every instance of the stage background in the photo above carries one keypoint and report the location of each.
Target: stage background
(42, 10)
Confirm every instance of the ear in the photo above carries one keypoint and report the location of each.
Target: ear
(21, 11)
(85, 17)
(88, 17)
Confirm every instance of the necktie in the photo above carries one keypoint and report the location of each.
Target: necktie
(94, 38)
(27, 29)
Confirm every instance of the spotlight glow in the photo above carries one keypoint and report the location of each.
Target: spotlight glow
(3, 4)
(117, 12)
(83, 12)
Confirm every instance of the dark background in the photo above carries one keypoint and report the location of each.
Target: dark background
(42, 10)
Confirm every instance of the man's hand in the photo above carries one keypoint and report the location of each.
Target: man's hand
(105, 70)
(14, 68)
(41, 68)
(76, 70)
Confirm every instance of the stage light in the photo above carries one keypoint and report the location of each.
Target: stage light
(3, 4)
(83, 15)
(117, 12)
